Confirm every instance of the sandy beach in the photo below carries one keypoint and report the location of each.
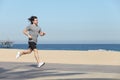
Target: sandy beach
(96, 57)
(98, 64)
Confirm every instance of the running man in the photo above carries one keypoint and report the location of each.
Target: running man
(32, 32)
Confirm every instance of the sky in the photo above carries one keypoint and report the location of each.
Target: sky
(64, 21)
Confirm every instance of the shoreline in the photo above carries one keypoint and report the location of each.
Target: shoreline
(60, 50)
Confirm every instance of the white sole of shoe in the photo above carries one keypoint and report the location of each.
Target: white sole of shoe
(41, 65)
(17, 55)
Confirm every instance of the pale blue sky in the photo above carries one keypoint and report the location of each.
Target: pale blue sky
(64, 21)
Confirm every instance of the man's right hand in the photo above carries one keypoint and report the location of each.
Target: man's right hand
(29, 36)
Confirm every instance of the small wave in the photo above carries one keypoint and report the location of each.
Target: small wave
(98, 50)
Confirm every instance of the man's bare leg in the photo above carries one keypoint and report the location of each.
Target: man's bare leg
(36, 55)
(37, 58)
(23, 53)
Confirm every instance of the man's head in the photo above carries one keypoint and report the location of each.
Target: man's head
(33, 20)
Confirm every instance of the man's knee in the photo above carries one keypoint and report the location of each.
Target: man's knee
(29, 51)
(35, 50)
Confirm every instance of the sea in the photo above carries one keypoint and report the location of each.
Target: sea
(83, 47)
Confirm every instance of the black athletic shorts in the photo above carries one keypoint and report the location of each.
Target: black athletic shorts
(32, 45)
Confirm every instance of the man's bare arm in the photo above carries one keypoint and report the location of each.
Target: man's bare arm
(26, 33)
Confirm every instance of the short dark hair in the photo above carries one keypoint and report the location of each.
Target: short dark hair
(31, 19)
